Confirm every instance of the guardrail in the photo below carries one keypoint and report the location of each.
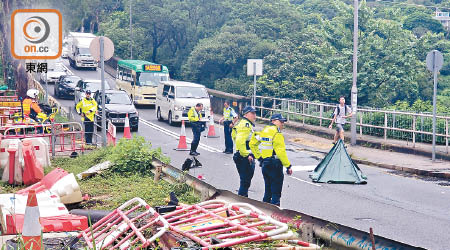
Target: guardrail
(414, 127)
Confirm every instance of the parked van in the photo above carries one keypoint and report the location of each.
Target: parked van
(175, 98)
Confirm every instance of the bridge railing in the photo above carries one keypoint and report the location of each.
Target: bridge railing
(409, 126)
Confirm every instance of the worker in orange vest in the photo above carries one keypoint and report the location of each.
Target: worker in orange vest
(30, 107)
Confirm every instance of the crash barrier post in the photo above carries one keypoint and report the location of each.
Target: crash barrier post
(182, 144)
(211, 129)
(68, 136)
(12, 150)
(230, 223)
(33, 171)
(125, 227)
(31, 232)
(111, 133)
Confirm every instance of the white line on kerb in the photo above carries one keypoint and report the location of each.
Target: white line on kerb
(314, 184)
(176, 135)
(70, 71)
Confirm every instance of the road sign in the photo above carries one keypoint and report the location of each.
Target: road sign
(108, 47)
(251, 64)
(435, 60)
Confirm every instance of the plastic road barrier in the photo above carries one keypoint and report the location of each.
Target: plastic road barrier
(11, 160)
(41, 149)
(120, 230)
(59, 182)
(217, 224)
(33, 171)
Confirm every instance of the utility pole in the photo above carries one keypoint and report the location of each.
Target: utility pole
(355, 72)
(131, 33)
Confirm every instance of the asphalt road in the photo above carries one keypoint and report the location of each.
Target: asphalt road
(407, 209)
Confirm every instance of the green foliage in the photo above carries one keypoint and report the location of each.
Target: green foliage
(134, 156)
(422, 20)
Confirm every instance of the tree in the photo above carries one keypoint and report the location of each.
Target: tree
(424, 21)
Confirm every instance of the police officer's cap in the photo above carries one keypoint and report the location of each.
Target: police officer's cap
(278, 117)
(88, 92)
(248, 109)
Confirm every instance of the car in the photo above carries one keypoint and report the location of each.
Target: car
(65, 52)
(117, 105)
(83, 85)
(175, 98)
(65, 86)
(53, 73)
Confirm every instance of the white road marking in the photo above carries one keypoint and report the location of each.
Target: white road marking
(303, 168)
(177, 136)
(311, 183)
(68, 70)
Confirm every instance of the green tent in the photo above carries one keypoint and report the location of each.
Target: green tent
(338, 167)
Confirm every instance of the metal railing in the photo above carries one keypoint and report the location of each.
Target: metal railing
(408, 126)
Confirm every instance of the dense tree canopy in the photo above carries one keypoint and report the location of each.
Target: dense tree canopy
(306, 44)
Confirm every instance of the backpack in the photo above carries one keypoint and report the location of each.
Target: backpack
(339, 110)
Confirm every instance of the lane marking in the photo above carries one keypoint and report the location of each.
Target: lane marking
(303, 168)
(177, 136)
(311, 183)
(70, 71)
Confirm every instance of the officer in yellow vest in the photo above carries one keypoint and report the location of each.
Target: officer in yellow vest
(195, 117)
(229, 119)
(245, 156)
(87, 108)
(273, 158)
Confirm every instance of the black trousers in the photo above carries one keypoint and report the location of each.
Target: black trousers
(88, 130)
(228, 139)
(196, 131)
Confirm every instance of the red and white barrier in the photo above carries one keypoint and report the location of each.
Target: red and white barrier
(54, 215)
(11, 160)
(41, 149)
(111, 134)
(119, 230)
(33, 171)
(60, 183)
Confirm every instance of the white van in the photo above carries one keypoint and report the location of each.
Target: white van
(175, 98)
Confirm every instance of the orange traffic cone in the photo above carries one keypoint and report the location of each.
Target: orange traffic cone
(182, 145)
(126, 129)
(211, 129)
(31, 232)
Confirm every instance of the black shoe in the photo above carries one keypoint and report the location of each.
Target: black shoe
(228, 152)
(197, 153)
(193, 153)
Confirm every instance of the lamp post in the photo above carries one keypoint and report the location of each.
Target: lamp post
(355, 72)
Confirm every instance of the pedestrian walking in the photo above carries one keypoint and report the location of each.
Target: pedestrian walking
(229, 119)
(87, 108)
(244, 158)
(340, 114)
(195, 117)
(273, 158)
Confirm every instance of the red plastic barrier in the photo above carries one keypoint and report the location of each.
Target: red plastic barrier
(47, 182)
(62, 223)
(12, 164)
(33, 171)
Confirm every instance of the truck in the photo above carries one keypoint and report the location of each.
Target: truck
(79, 53)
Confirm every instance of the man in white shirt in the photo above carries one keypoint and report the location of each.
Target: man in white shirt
(340, 114)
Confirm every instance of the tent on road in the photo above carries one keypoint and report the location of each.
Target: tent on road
(338, 167)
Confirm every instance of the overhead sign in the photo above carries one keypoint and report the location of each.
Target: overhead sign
(435, 60)
(152, 67)
(254, 67)
(108, 48)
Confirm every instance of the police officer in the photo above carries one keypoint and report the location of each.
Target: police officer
(245, 156)
(273, 158)
(195, 117)
(30, 107)
(229, 119)
(87, 108)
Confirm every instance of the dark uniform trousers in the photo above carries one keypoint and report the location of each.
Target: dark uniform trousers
(227, 132)
(246, 171)
(197, 128)
(272, 171)
(88, 130)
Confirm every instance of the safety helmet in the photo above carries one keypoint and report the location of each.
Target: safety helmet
(32, 93)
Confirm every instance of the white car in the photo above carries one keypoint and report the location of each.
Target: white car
(65, 52)
(53, 73)
(92, 85)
